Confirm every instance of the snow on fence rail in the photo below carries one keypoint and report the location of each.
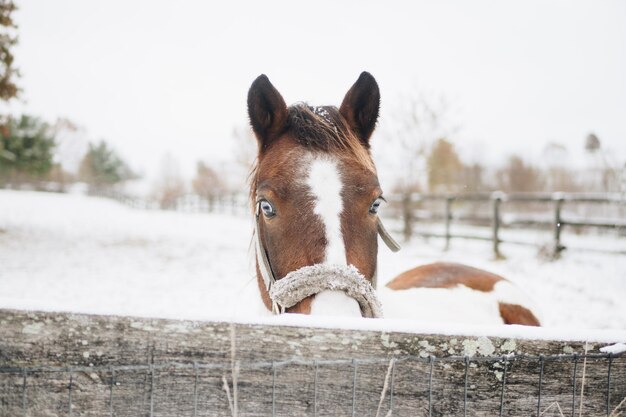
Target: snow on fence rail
(56, 364)
(495, 219)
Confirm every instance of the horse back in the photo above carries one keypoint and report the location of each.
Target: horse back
(450, 275)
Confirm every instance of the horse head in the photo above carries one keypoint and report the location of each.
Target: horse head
(316, 194)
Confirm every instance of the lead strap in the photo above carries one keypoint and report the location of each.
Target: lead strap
(262, 261)
(389, 241)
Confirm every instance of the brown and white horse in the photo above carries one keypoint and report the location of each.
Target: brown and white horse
(316, 197)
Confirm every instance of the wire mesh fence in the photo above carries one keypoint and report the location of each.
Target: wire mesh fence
(206, 389)
(142, 367)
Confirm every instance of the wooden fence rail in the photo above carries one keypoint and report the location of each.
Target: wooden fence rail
(237, 203)
(55, 364)
(556, 224)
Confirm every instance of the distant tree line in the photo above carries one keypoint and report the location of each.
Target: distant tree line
(419, 134)
(447, 172)
(27, 158)
(425, 158)
(28, 145)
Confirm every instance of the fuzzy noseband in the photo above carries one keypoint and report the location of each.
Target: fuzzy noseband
(311, 280)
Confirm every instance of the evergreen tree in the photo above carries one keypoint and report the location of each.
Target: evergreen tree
(101, 166)
(26, 149)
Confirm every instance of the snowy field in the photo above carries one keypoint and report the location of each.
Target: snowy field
(84, 254)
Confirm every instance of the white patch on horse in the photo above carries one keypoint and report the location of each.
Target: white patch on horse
(460, 304)
(324, 181)
(334, 303)
(509, 293)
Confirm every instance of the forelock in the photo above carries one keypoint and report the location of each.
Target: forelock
(322, 128)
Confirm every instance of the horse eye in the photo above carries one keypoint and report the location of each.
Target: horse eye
(375, 205)
(267, 208)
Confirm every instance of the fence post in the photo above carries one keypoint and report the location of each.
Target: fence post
(407, 216)
(558, 225)
(495, 224)
(448, 220)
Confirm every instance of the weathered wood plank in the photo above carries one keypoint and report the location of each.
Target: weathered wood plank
(125, 366)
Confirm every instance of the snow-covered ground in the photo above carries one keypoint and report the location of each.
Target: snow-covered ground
(84, 254)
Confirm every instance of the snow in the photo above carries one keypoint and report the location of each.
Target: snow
(584, 289)
(615, 349)
(442, 328)
(92, 255)
(76, 253)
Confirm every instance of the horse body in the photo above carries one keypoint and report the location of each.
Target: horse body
(316, 196)
(447, 289)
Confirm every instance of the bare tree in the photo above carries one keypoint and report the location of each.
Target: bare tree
(559, 176)
(519, 176)
(245, 147)
(445, 169)
(592, 143)
(170, 186)
(606, 173)
(207, 183)
(72, 144)
(473, 178)
(407, 133)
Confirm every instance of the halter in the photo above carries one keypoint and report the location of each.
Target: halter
(348, 279)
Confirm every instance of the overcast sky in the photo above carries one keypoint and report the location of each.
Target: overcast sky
(159, 76)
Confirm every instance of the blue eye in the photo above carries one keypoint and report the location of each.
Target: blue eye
(267, 208)
(376, 205)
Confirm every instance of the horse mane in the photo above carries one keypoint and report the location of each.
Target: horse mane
(321, 129)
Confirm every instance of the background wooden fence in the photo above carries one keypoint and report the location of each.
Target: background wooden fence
(231, 203)
(553, 212)
(54, 364)
(539, 211)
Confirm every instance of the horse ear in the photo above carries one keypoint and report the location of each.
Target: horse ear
(267, 110)
(360, 106)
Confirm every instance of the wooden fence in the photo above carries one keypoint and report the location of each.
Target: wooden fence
(55, 364)
(407, 207)
(231, 203)
(556, 202)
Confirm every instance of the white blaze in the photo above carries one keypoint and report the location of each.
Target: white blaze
(325, 183)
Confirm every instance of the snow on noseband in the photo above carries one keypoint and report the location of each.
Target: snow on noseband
(310, 280)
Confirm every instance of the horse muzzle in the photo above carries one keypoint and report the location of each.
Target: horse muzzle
(310, 280)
